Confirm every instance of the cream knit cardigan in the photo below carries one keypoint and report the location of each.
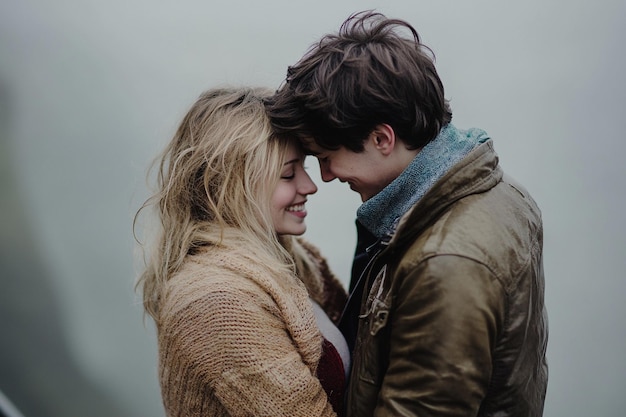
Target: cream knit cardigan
(236, 341)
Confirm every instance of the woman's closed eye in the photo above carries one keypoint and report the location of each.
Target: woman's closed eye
(288, 175)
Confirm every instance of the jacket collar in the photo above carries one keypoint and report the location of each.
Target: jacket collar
(381, 213)
(476, 173)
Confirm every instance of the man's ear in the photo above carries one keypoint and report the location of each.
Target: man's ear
(384, 138)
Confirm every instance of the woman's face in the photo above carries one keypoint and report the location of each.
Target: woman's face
(288, 199)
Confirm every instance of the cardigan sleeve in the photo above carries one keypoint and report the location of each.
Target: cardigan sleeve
(231, 347)
(333, 295)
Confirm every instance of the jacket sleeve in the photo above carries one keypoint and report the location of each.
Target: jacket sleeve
(231, 348)
(448, 311)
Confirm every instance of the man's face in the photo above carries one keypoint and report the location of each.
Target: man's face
(366, 172)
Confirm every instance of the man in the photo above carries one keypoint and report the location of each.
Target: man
(446, 315)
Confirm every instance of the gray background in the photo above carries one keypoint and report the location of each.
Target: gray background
(90, 91)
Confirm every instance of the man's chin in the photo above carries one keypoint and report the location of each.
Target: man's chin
(353, 188)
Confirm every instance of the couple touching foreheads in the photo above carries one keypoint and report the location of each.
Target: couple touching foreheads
(444, 314)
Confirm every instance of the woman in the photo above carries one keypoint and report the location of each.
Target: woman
(239, 303)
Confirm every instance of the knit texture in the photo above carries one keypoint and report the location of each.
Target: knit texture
(236, 340)
(380, 213)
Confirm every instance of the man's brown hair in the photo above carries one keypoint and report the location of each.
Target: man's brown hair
(366, 74)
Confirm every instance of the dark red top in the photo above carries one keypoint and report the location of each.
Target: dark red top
(331, 374)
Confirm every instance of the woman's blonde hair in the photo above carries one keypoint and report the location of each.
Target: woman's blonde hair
(218, 173)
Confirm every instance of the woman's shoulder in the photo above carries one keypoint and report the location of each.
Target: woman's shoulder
(206, 273)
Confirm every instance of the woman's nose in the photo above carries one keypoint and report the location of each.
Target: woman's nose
(307, 185)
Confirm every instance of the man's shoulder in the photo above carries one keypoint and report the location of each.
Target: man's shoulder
(499, 226)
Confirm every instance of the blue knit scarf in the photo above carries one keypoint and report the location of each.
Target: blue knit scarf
(380, 213)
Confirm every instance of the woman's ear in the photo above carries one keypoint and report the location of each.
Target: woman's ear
(384, 138)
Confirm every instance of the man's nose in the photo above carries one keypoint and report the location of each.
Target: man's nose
(326, 173)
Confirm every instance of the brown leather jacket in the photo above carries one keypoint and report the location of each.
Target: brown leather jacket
(454, 323)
